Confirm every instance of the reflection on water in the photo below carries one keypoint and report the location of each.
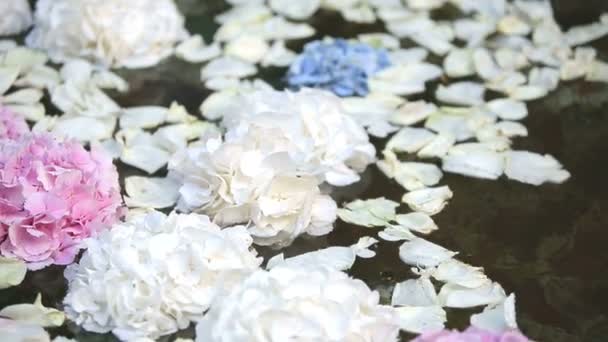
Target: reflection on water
(546, 244)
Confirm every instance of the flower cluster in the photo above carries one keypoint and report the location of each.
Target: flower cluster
(53, 195)
(237, 183)
(340, 66)
(16, 16)
(299, 304)
(279, 148)
(132, 34)
(310, 126)
(471, 334)
(154, 274)
(12, 126)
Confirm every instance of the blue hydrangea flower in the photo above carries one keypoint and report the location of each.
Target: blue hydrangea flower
(339, 66)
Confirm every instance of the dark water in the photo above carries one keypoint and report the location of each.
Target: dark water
(547, 244)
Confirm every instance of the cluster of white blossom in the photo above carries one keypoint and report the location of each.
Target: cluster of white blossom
(118, 33)
(279, 148)
(154, 274)
(16, 16)
(303, 303)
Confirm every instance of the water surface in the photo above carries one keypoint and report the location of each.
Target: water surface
(546, 244)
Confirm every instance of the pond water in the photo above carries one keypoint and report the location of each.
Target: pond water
(546, 244)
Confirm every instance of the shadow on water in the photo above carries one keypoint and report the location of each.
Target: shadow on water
(546, 244)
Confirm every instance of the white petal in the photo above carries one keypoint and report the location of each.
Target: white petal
(452, 125)
(510, 59)
(583, 34)
(507, 82)
(415, 292)
(337, 258)
(396, 233)
(472, 31)
(217, 104)
(7, 44)
(425, 4)
(497, 318)
(178, 114)
(408, 56)
(462, 93)
(27, 96)
(143, 117)
(83, 99)
(380, 40)
(430, 201)
(512, 24)
(438, 147)
(149, 192)
(194, 50)
(597, 72)
(474, 160)
(249, 48)
(8, 76)
(12, 272)
(414, 175)
(145, 157)
(508, 109)
(410, 139)
(278, 55)
(455, 296)
(112, 148)
(393, 14)
(456, 272)
(361, 14)
(298, 10)
(511, 129)
(437, 39)
(33, 112)
(361, 248)
(76, 70)
(84, 128)
(41, 76)
(106, 79)
(547, 78)
(528, 92)
(413, 112)
(21, 331)
(422, 253)
(34, 313)
(459, 63)
(369, 213)
(421, 319)
(404, 79)
(485, 65)
(228, 67)
(278, 28)
(24, 58)
(419, 222)
(222, 83)
(533, 168)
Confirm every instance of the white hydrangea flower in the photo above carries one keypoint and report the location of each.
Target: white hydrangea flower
(291, 206)
(238, 182)
(300, 304)
(16, 16)
(279, 148)
(153, 274)
(312, 126)
(117, 33)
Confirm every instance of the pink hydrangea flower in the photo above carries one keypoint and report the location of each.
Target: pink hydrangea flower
(12, 126)
(472, 335)
(52, 196)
